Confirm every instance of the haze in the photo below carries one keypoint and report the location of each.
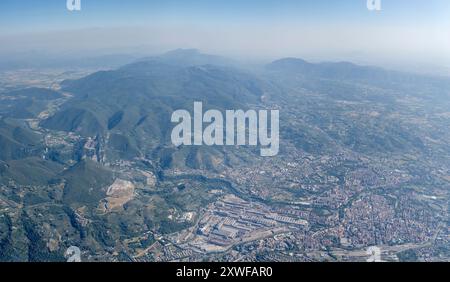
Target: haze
(406, 34)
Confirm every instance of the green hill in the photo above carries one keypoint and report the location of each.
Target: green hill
(85, 183)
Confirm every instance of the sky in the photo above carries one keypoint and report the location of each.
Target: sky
(403, 32)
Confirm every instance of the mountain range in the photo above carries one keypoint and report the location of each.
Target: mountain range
(347, 131)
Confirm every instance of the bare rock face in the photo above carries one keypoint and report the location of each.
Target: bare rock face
(118, 194)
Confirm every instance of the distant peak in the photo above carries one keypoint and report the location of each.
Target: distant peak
(182, 52)
(289, 63)
(292, 59)
(189, 57)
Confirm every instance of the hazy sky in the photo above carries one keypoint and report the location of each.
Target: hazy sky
(415, 31)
